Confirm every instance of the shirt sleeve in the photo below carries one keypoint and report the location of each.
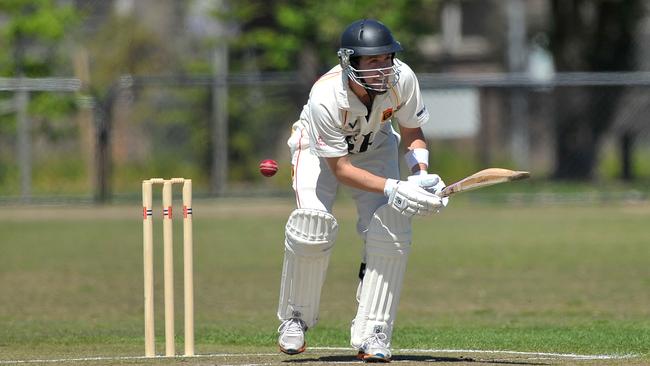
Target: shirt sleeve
(413, 112)
(326, 138)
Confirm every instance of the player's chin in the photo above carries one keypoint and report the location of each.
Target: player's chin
(377, 88)
(381, 86)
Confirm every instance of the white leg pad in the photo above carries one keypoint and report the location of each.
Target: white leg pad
(388, 243)
(310, 236)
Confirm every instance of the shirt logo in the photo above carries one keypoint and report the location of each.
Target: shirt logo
(386, 114)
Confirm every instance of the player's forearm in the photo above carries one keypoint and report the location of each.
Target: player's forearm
(352, 176)
(361, 179)
(413, 138)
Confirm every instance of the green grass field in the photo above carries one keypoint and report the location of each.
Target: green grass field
(530, 278)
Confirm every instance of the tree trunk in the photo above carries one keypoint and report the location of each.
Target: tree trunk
(575, 148)
(103, 162)
(626, 142)
(588, 35)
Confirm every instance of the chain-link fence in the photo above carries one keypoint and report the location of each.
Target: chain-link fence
(575, 126)
(581, 127)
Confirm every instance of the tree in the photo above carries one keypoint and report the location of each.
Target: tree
(134, 50)
(290, 34)
(31, 45)
(32, 35)
(588, 35)
(300, 35)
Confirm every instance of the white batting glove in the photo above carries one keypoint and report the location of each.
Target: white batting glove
(409, 199)
(430, 183)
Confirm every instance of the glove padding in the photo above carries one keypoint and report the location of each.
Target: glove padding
(409, 199)
(430, 183)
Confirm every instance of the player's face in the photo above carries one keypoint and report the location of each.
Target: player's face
(379, 69)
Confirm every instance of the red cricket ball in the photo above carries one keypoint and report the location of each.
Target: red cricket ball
(268, 167)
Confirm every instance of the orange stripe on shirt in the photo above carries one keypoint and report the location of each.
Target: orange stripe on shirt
(328, 76)
(295, 169)
(396, 96)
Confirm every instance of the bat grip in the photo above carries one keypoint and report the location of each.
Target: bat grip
(444, 192)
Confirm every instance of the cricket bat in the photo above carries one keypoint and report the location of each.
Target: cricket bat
(483, 178)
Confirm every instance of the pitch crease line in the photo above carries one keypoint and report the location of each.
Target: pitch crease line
(571, 356)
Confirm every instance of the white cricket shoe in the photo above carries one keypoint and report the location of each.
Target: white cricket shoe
(374, 349)
(292, 336)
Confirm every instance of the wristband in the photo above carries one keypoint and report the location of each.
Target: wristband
(417, 156)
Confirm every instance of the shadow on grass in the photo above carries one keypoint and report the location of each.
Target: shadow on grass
(416, 358)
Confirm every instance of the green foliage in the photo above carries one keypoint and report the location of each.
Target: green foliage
(174, 122)
(280, 31)
(294, 35)
(59, 174)
(32, 33)
(124, 45)
(63, 175)
(610, 163)
(31, 40)
(46, 22)
(32, 37)
(258, 117)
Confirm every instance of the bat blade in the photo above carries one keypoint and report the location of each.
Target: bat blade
(484, 178)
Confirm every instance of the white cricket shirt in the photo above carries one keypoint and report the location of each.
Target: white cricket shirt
(339, 123)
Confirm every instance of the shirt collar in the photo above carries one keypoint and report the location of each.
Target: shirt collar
(346, 99)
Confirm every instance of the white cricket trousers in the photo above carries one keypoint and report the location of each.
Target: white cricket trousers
(315, 185)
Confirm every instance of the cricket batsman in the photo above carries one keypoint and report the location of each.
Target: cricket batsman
(345, 136)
